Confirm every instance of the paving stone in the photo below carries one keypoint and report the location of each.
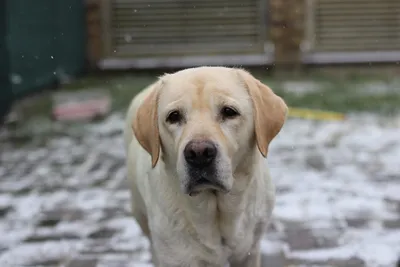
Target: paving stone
(20, 187)
(335, 262)
(4, 210)
(113, 213)
(274, 260)
(316, 161)
(357, 222)
(272, 227)
(52, 236)
(2, 248)
(47, 253)
(302, 237)
(352, 262)
(283, 189)
(394, 203)
(74, 215)
(51, 218)
(105, 246)
(392, 223)
(117, 260)
(50, 263)
(273, 255)
(91, 262)
(124, 184)
(289, 223)
(95, 246)
(326, 237)
(103, 233)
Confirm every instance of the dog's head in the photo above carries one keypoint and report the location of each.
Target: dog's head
(205, 121)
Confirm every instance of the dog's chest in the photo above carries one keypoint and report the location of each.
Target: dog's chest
(223, 231)
(237, 234)
(241, 222)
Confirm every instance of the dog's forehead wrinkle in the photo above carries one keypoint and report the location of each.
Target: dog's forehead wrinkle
(208, 92)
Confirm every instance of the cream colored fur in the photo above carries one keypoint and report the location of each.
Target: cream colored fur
(209, 229)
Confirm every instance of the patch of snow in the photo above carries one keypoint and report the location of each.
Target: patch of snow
(26, 254)
(12, 235)
(113, 124)
(26, 208)
(130, 228)
(376, 88)
(302, 87)
(343, 252)
(6, 200)
(271, 247)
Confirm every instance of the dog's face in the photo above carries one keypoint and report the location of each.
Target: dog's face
(205, 121)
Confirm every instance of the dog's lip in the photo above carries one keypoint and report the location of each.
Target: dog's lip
(197, 189)
(215, 191)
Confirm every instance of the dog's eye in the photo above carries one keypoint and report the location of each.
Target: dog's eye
(229, 113)
(174, 117)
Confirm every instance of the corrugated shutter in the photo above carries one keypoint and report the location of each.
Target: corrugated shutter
(356, 25)
(165, 28)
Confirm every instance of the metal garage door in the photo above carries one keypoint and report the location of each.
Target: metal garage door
(158, 33)
(352, 31)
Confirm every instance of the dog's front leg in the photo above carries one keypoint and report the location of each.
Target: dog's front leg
(252, 259)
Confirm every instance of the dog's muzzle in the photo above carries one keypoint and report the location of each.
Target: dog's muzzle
(200, 157)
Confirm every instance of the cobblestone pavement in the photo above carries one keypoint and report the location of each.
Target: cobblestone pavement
(64, 199)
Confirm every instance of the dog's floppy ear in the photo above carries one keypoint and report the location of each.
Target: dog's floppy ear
(269, 110)
(145, 124)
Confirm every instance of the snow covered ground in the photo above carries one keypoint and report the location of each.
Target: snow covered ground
(64, 199)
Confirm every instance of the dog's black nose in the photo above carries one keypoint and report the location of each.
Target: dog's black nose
(200, 153)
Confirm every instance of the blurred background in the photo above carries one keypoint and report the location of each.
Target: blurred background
(68, 70)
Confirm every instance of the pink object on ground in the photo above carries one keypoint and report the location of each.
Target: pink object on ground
(80, 106)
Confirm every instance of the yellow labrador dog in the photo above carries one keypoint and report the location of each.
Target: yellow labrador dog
(196, 145)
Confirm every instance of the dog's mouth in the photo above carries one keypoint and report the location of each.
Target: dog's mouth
(197, 186)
